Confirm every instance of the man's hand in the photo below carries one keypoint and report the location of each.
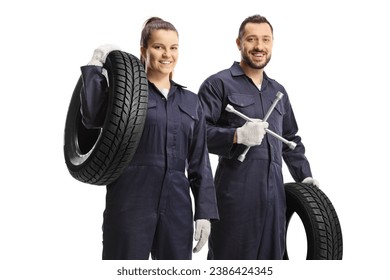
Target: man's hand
(311, 181)
(251, 133)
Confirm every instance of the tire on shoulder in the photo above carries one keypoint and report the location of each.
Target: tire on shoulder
(99, 156)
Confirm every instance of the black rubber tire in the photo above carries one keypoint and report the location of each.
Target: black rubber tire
(98, 156)
(322, 226)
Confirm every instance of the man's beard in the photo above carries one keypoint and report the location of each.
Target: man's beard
(253, 65)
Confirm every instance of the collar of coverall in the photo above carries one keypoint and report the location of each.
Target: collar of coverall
(236, 71)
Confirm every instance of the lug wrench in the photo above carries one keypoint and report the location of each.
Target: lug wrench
(290, 144)
(279, 96)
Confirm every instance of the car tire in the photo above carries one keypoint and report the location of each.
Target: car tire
(320, 220)
(98, 156)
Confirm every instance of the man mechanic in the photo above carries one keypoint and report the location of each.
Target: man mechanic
(250, 194)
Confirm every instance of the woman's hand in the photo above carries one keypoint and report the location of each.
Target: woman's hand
(202, 232)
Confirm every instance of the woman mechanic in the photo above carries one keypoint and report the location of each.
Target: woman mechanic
(148, 208)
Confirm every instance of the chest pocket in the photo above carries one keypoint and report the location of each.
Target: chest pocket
(275, 120)
(243, 103)
(151, 116)
(188, 118)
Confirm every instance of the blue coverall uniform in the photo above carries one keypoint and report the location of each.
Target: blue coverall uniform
(250, 194)
(149, 208)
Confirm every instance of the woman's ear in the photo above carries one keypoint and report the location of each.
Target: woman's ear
(143, 54)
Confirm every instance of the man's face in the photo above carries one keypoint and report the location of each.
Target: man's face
(256, 45)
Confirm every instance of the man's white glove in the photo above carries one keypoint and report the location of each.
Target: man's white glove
(311, 181)
(100, 54)
(202, 232)
(251, 133)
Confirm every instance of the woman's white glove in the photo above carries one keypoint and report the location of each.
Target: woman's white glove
(100, 54)
(311, 181)
(251, 133)
(202, 232)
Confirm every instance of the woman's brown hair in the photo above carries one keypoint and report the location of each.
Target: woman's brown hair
(152, 24)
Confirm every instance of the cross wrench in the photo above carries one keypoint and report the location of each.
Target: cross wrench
(279, 96)
(290, 144)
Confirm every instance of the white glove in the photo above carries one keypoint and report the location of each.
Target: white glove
(311, 181)
(100, 54)
(202, 232)
(251, 133)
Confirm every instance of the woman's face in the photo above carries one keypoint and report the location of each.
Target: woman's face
(162, 52)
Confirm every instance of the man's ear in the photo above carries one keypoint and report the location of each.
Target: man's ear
(238, 43)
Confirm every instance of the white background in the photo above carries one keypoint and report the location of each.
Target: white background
(331, 56)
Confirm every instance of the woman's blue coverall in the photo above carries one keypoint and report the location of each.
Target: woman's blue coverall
(149, 208)
(250, 194)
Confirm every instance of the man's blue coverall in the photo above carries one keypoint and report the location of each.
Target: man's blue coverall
(250, 194)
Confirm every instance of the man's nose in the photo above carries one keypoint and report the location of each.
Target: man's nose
(259, 45)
